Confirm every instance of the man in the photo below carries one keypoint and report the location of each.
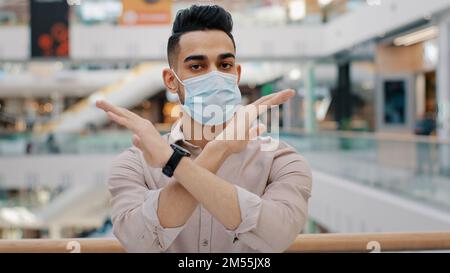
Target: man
(216, 192)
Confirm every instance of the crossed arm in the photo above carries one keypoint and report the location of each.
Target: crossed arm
(196, 181)
(178, 200)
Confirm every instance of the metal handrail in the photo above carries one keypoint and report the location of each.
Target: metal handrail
(352, 242)
(375, 136)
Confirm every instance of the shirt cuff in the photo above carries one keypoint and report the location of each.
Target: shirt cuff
(163, 236)
(250, 207)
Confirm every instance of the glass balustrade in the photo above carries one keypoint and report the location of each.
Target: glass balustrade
(415, 169)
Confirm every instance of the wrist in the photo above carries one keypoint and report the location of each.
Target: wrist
(166, 154)
(177, 155)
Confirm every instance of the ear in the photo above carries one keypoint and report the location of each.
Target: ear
(170, 81)
(238, 70)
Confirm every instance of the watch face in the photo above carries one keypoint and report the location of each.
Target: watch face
(180, 149)
(177, 155)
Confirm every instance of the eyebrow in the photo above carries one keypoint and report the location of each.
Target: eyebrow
(195, 58)
(226, 55)
(203, 57)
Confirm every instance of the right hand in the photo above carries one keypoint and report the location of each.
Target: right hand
(236, 135)
(155, 149)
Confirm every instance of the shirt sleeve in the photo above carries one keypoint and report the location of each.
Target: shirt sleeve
(271, 223)
(134, 207)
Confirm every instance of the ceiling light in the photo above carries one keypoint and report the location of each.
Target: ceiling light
(324, 3)
(417, 37)
(297, 10)
(295, 74)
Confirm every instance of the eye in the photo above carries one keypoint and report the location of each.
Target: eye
(226, 66)
(195, 67)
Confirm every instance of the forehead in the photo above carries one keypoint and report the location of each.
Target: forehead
(209, 42)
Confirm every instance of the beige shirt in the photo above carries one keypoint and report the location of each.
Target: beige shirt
(273, 189)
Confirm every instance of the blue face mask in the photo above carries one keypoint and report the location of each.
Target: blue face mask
(211, 99)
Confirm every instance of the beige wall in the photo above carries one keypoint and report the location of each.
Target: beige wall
(399, 60)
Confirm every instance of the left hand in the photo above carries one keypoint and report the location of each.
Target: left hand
(156, 151)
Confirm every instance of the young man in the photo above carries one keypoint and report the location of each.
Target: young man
(184, 193)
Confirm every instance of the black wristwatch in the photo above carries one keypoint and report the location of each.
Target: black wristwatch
(178, 154)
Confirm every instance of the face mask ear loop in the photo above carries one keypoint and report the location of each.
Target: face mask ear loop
(176, 76)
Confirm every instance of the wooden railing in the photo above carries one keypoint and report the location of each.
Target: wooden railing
(358, 242)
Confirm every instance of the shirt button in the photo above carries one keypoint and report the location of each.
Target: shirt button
(205, 242)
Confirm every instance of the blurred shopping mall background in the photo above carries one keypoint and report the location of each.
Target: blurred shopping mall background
(371, 113)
